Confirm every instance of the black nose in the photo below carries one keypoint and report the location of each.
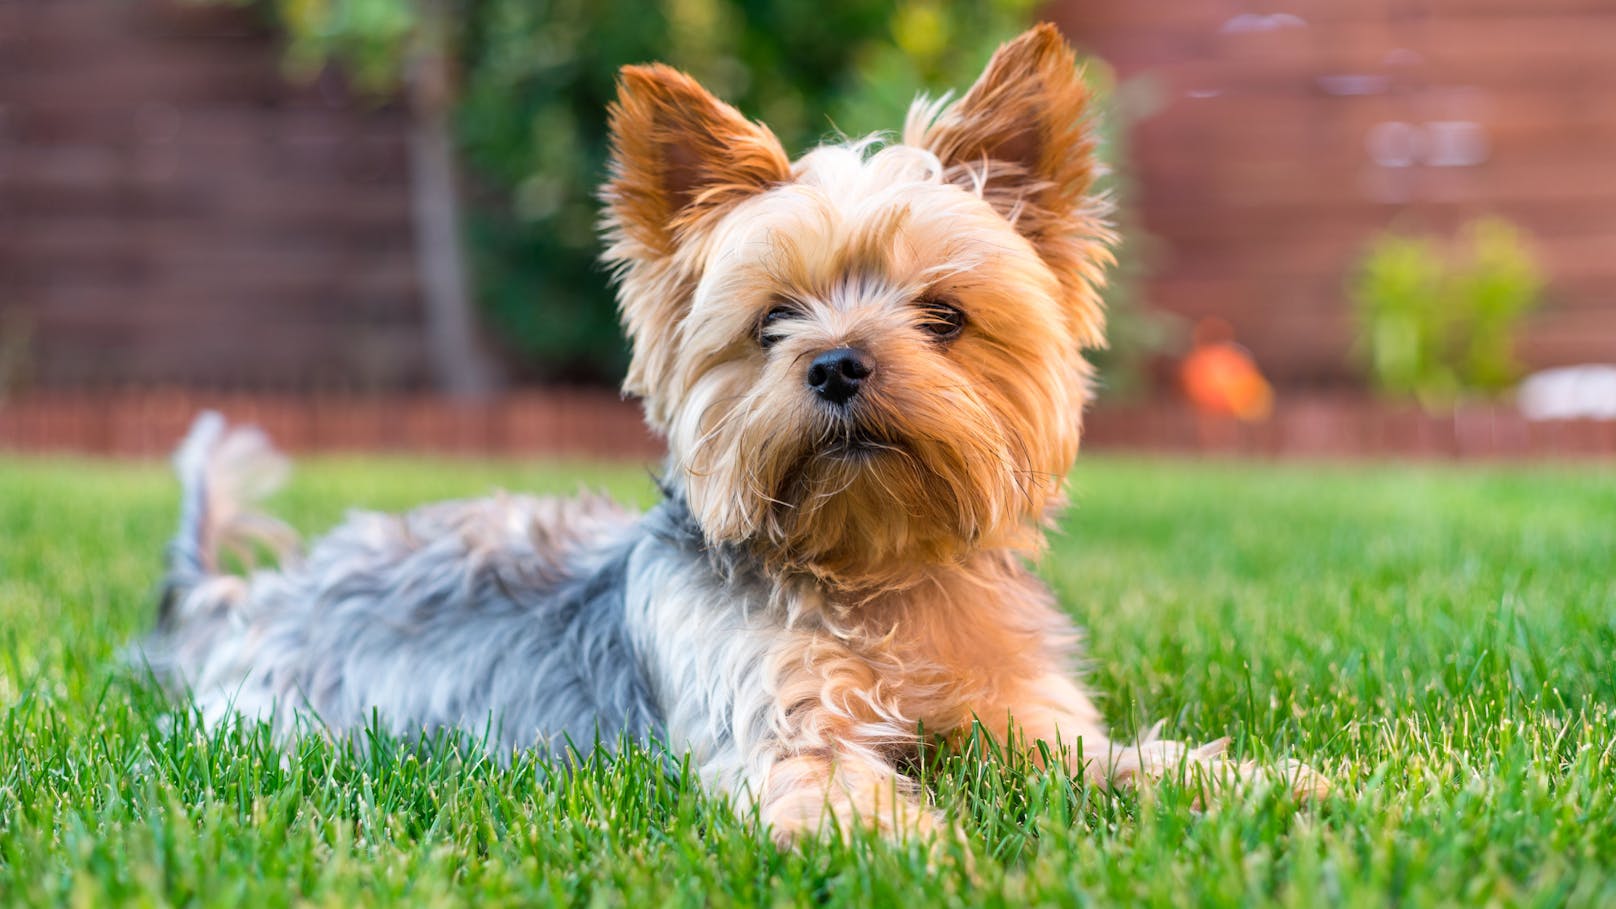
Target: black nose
(836, 375)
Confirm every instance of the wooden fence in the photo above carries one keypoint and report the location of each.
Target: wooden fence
(557, 423)
(1278, 138)
(173, 209)
(1330, 428)
(595, 424)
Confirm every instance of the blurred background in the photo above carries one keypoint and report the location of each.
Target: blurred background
(1382, 227)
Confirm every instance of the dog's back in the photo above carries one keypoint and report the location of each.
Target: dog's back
(502, 614)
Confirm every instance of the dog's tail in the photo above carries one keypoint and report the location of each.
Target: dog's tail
(223, 471)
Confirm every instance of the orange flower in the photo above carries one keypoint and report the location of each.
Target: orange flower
(1220, 376)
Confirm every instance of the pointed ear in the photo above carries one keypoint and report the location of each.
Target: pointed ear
(679, 154)
(1022, 134)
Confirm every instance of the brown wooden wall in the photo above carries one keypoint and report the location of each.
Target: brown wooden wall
(172, 209)
(1257, 180)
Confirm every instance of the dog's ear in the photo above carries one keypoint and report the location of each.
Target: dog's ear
(678, 154)
(1021, 135)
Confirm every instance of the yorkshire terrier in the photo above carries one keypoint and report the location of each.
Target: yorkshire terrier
(867, 364)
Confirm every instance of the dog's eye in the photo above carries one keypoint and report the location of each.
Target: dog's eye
(768, 327)
(941, 318)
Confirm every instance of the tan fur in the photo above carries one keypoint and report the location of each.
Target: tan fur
(679, 155)
(1022, 135)
(901, 565)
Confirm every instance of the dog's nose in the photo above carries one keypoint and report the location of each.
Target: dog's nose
(836, 375)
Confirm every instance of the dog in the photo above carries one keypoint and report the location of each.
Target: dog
(867, 365)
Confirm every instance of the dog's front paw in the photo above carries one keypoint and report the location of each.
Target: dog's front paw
(1305, 783)
(1154, 759)
(791, 825)
(849, 802)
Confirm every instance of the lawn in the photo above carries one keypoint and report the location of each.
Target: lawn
(1440, 643)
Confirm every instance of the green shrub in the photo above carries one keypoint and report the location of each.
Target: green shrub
(1437, 320)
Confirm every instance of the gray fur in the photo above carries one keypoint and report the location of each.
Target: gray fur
(185, 555)
(502, 617)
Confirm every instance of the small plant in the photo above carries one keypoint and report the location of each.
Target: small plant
(1437, 320)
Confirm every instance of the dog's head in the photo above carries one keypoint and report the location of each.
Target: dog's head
(868, 361)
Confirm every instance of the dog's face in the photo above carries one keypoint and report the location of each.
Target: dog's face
(867, 361)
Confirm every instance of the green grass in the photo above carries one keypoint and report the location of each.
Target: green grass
(1440, 643)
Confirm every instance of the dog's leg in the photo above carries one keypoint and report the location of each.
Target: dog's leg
(810, 793)
(1055, 710)
(833, 763)
(1026, 694)
(792, 723)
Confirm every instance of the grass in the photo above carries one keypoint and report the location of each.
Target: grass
(1440, 643)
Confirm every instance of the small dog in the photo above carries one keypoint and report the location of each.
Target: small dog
(867, 365)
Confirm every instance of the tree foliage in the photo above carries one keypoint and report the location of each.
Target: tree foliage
(535, 78)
